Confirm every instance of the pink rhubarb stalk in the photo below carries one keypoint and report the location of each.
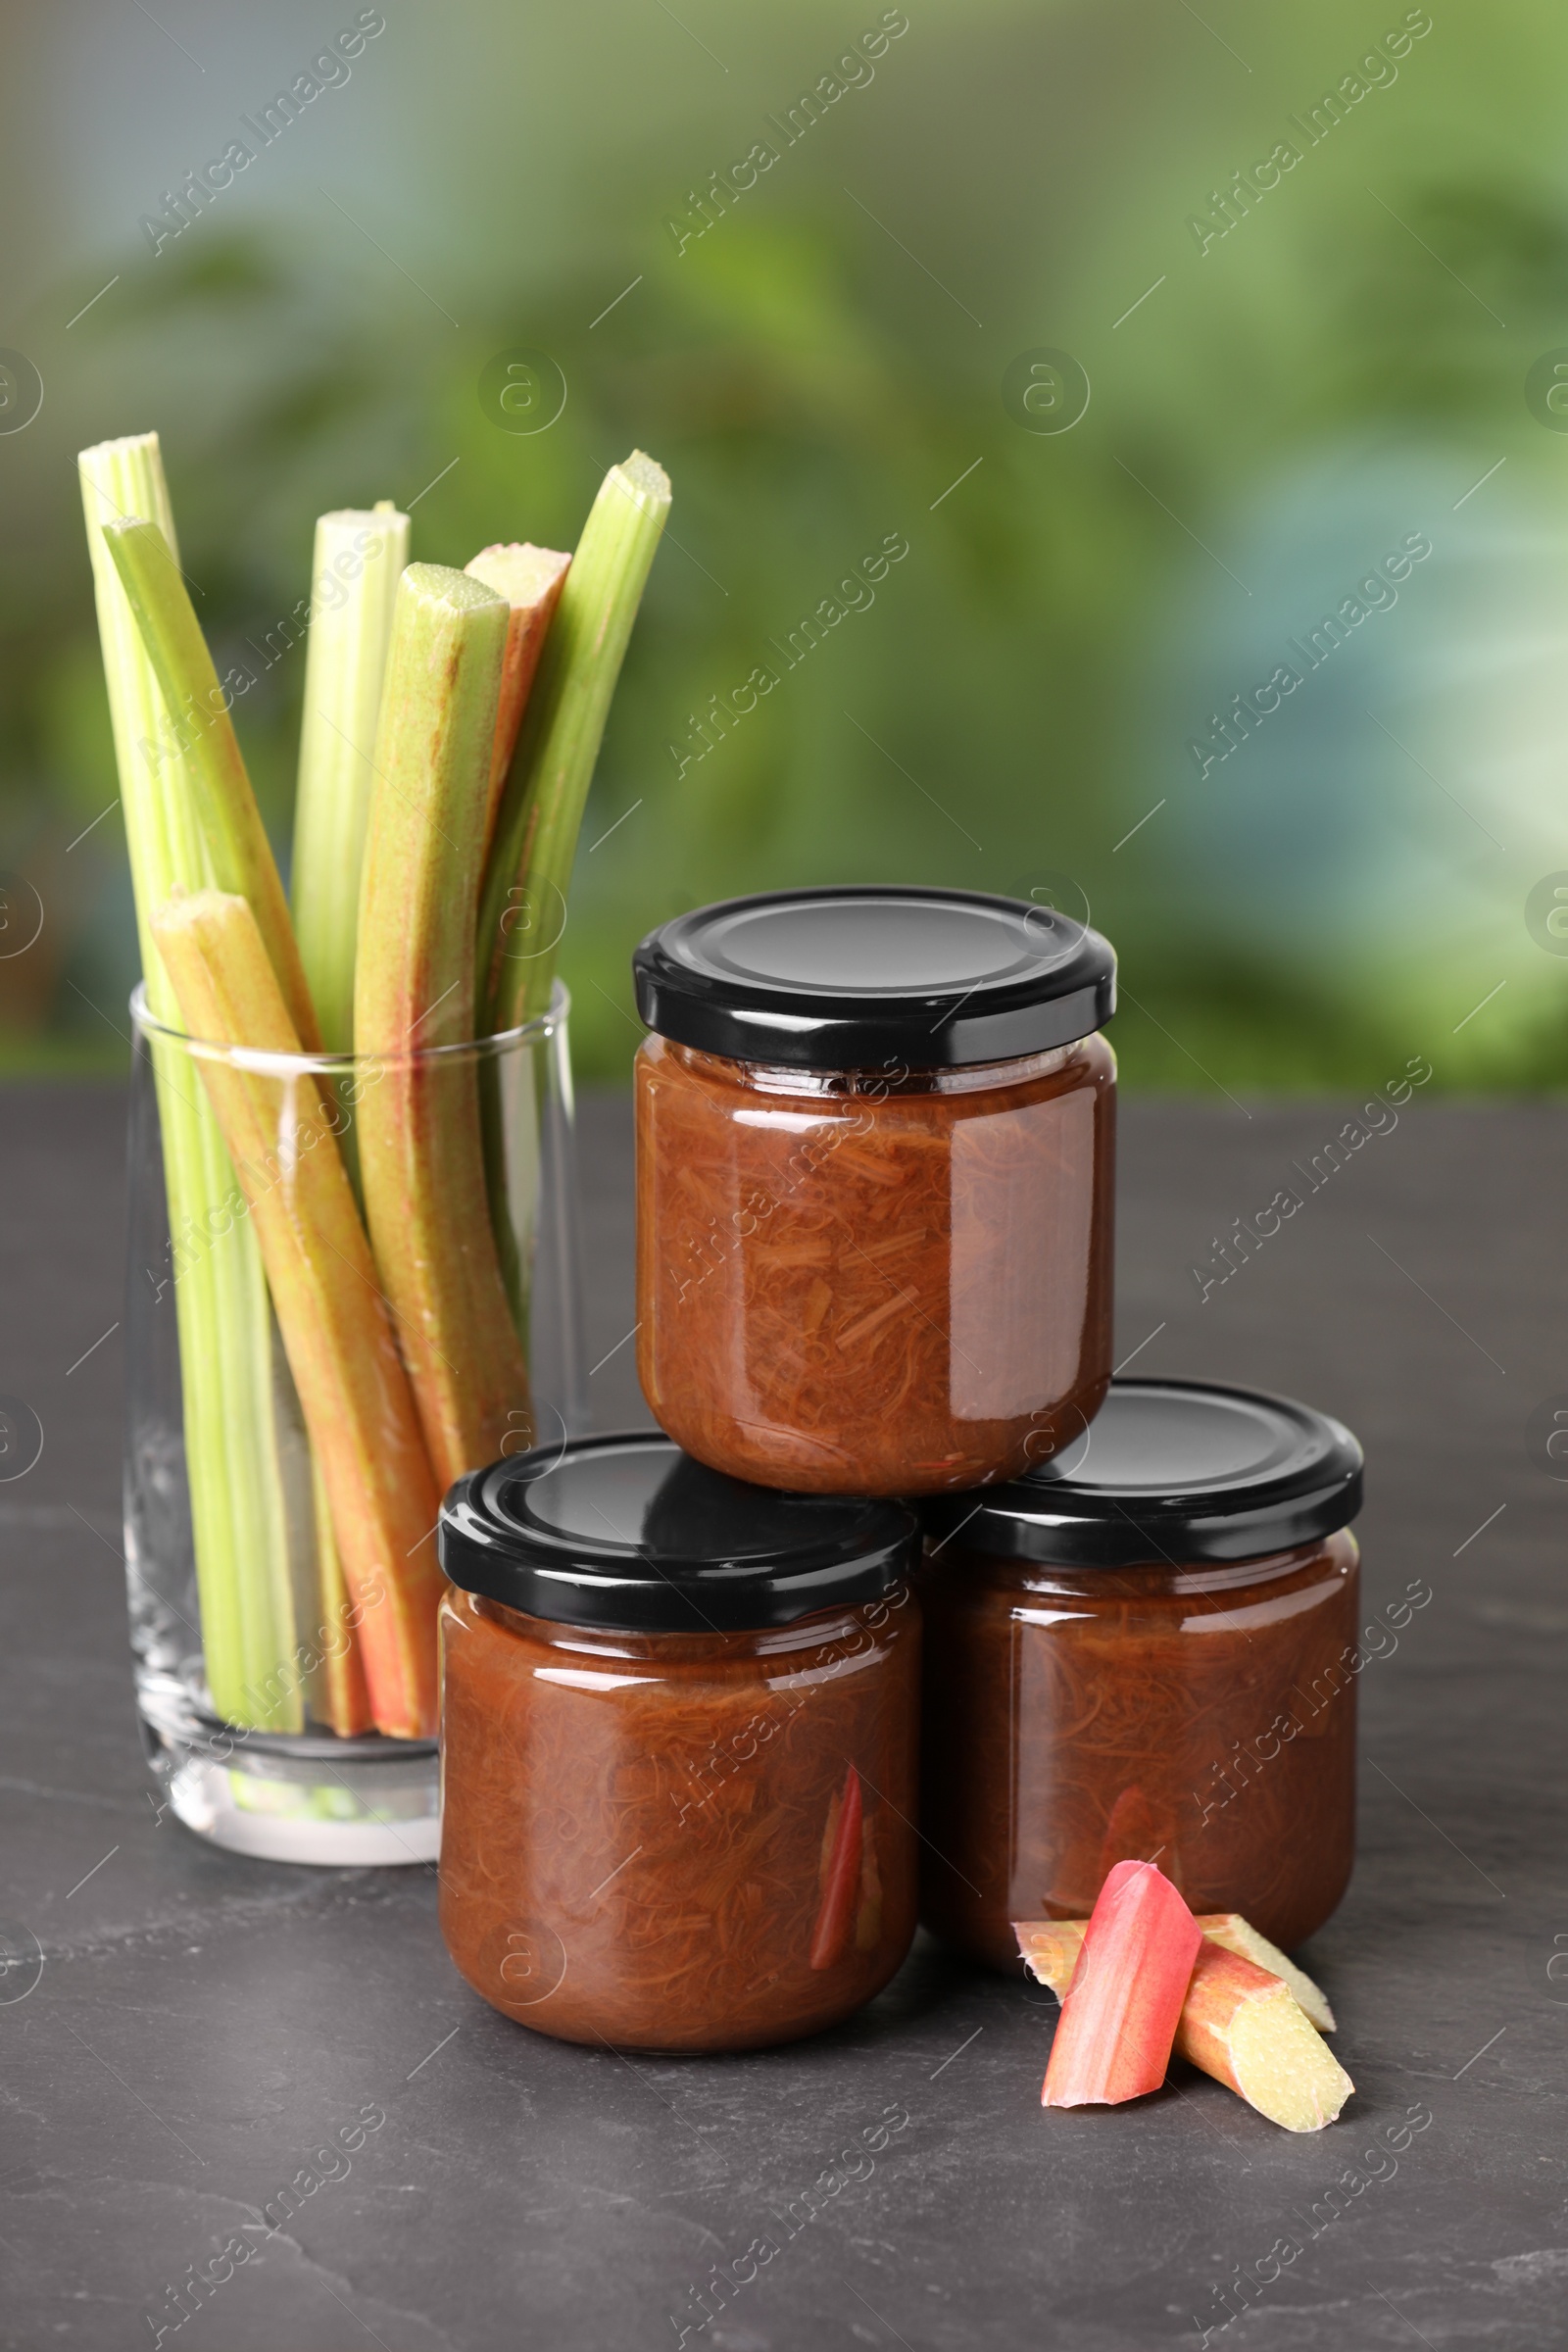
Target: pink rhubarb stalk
(281, 1133)
(530, 579)
(1121, 2009)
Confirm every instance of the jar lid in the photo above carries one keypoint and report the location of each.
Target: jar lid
(629, 1532)
(1169, 1469)
(846, 979)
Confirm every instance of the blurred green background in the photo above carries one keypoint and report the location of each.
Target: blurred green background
(1272, 412)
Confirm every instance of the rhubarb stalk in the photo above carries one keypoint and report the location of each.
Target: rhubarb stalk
(523, 910)
(239, 854)
(422, 1152)
(1238, 1934)
(233, 1435)
(359, 557)
(1051, 1948)
(1240, 2021)
(530, 579)
(1120, 2010)
(356, 563)
(1245, 2028)
(280, 1129)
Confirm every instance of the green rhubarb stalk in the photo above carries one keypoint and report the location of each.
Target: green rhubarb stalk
(196, 706)
(422, 1154)
(364, 1431)
(232, 1433)
(356, 563)
(529, 867)
(530, 579)
(359, 559)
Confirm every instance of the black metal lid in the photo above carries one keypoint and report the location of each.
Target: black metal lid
(1169, 1469)
(629, 1532)
(847, 979)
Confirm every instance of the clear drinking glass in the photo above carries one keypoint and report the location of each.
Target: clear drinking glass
(226, 1519)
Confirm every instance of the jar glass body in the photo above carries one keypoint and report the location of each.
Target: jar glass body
(253, 1710)
(650, 1840)
(883, 1281)
(1202, 1717)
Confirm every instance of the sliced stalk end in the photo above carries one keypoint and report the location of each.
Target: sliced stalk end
(1238, 1934)
(531, 580)
(541, 808)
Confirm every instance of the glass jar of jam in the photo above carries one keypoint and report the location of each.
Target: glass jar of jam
(1147, 1650)
(876, 1136)
(679, 1747)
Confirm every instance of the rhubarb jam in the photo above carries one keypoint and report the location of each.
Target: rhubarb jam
(1147, 1651)
(875, 1145)
(680, 1732)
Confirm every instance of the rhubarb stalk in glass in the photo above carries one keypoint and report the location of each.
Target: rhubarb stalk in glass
(239, 854)
(422, 1150)
(280, 1128)
(531, 580)
(523, 907)
(233, 1430)
(358, 560)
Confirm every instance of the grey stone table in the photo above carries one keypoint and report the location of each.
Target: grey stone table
(202, 2025)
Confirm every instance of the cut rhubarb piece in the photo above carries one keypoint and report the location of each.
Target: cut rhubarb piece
(1238, 2022)
(336, 1684)
(530, 577)
(1245, 2028)
(831, 1936)
(1120, 2010)
(1235, 1933)
(1051, 1948)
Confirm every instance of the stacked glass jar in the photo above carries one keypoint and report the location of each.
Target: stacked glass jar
(875, 1146)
